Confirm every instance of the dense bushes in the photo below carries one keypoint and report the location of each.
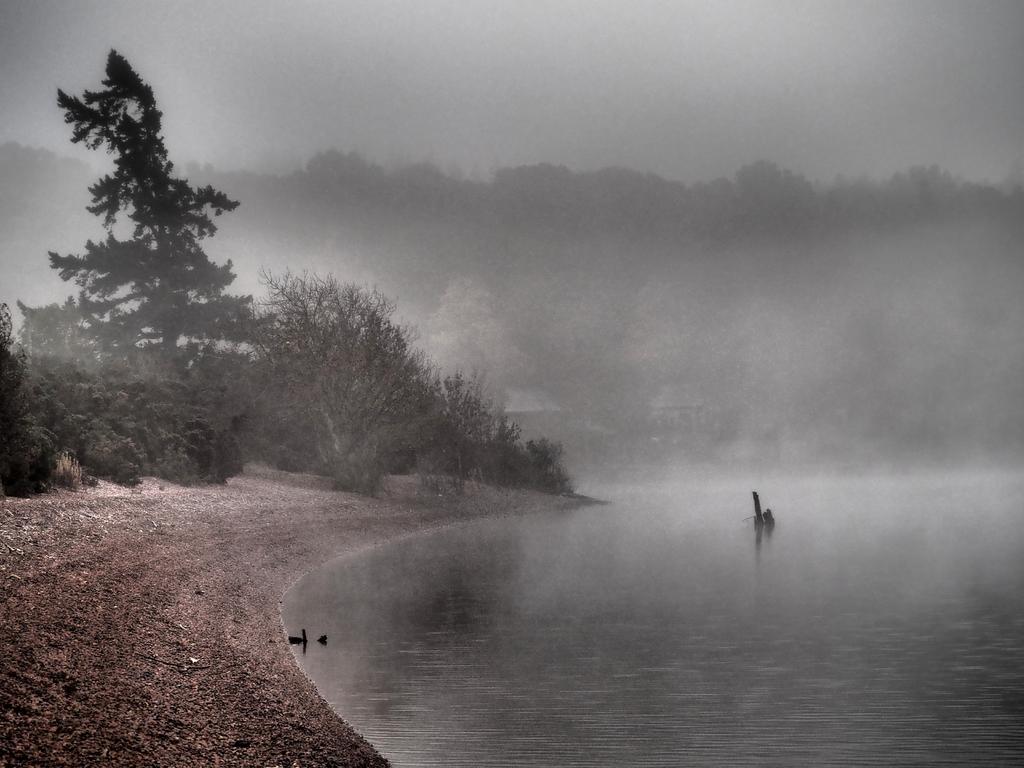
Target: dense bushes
(344, 392)
(26, 450)
(342, 387)
(544, 469)
(328, 382)
(468, 437)
(121, 421)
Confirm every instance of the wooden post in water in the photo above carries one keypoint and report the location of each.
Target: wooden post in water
(758, 517)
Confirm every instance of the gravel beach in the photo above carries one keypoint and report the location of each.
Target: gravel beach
(142, 626)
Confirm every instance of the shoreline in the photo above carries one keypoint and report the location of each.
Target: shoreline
(143, 626)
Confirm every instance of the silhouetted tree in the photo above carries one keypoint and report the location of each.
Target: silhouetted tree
(158, 284)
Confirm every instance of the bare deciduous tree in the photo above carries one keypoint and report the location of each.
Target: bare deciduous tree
(342, 373)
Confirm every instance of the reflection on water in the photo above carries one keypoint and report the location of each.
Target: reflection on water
(880, 624)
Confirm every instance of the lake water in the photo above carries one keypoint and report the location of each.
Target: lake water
(882, 623)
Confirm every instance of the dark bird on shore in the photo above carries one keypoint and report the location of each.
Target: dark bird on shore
(297, 640)
(322, 639)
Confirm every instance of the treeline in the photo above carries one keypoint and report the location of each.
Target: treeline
(338, 387)
(325, 381)
(156, 369)
(760, 200)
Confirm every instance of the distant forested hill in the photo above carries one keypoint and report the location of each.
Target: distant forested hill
(762, 314)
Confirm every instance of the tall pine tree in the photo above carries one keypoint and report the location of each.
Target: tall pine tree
(156, 285)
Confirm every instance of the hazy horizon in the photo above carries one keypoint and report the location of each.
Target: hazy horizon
(690, 91)
(767, 272)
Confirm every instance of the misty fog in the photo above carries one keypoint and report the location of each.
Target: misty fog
(701, 231)
(657, 254)
(759, 318)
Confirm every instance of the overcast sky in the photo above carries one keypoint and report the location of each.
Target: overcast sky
(689, 90)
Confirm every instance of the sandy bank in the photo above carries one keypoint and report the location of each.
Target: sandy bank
(141, 627)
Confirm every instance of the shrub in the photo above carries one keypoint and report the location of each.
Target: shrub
(469, 437)
(362, 470)
(176, 466)
(26, 462)
(546, 470)
(343, 389)
(112, 456)
(67, 472)
(121, 421)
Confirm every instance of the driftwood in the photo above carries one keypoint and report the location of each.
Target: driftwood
(762, 519)
(179, 666)
(13, 549)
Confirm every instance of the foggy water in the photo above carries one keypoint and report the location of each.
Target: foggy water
(882, 623)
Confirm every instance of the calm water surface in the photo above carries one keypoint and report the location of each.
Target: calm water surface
(882, 623)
